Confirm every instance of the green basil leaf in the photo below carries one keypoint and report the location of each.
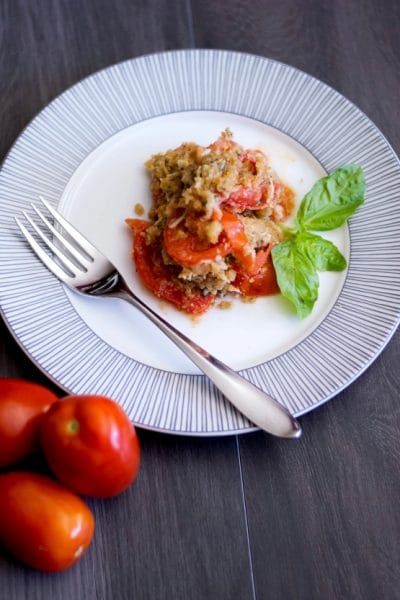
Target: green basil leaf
(296, 275)
(324, 255)
(332, 199)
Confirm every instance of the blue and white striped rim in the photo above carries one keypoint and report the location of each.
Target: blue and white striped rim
(49, 150)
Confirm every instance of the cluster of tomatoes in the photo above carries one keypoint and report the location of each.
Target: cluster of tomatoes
(92, 450)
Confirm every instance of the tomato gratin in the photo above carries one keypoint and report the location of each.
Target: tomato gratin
(215, 218)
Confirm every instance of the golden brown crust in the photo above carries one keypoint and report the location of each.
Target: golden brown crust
(189, 185)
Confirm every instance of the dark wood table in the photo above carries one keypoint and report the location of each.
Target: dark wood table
(249, 516)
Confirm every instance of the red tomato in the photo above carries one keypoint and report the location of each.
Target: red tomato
(156, 276)
(91, 445)
(42, 523)
(22, 406)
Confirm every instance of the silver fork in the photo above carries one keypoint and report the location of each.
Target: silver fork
(86, 270)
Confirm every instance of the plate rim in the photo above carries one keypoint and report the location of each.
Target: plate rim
(241, 430)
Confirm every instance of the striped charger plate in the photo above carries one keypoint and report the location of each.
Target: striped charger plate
(85, 151)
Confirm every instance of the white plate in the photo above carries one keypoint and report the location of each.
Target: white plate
(85, 153)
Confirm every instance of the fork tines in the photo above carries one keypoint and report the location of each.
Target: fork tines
(72, 254)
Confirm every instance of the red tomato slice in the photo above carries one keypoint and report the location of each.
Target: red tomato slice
(234, 231)
(261, 258)
(187, 250)
(251, 198)
(156, 276)
(261, 283)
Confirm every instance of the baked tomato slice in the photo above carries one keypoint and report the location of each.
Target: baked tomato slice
(188, 250)
(156, 276)
(236, 235)
(246, 198)
(262, 282)
(252, 196)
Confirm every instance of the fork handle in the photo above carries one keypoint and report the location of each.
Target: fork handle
(251, 401)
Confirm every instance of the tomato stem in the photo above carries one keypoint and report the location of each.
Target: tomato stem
(73, 426)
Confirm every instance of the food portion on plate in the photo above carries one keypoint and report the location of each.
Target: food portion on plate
(213, 224)
(217, 229)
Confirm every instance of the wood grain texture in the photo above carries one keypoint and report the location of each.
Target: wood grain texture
(352, 46)
(254, 517)
(323, 513)
(180, 531)
(326, 512)
(48, 45)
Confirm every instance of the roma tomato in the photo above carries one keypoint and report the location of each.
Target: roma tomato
(22, 406)
(91, 445)
(42, 523)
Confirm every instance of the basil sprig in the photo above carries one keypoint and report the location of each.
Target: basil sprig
(297, 260)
